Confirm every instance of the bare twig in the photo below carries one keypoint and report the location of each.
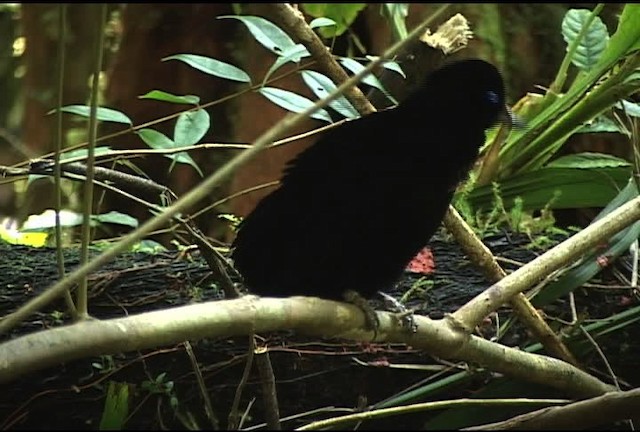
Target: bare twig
(269, 392)
(294, 23)
(62, 41)
(482, 257)
(208, 407)
(582, 415)
(232, 422)
(426, 406)
(552, 260)
(87, 210)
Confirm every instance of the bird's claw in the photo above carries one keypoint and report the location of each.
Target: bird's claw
(371, 320)
(404, 315)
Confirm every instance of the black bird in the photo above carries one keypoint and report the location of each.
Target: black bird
(354, 208)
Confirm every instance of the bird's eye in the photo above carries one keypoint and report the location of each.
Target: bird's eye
(493, 97)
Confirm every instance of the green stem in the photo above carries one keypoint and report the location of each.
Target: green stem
(556, 86)
(81, 296)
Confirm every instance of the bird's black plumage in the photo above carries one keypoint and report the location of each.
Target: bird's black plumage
(354, 208)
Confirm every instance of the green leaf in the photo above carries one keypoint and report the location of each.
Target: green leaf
(391, 65)
(184, 158)
(593, 43)
(190, 127)
(583, 101)
(613, 323)
(601, 124)
(116, 407)
(114, 217)
(626, 39)
(292, 54)
(102, 114)
(168, 97)
(629, 28)
(630, 108)
(343, 14)
(322, 22)
(569, 184)
(588, 160)
(396, 14)
(265, 32)
(148, 246)
(293, 102)
(212, 67)
(370, 79)
(158, 140)
(322, 86)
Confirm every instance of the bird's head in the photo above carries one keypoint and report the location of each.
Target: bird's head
(471, 90)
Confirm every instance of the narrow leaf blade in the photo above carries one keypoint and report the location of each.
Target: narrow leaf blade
(212, 66)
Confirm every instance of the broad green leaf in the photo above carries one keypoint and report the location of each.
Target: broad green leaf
(343, 14)
(265, 32)
(588, 160)
(117, 218)
(102, 114)
(633, 77)
(292, 54)
(116, 407)
(184, 158)
(293, 102)
(148, 246)
(156, 140)
(561, 186)
(322, 22)
(594, 42)
(624, 41)
(396, 14)
(630, 108)
(601, 124)
(582, 102)
(212, 67)
(391, 65)
(322, 86)
(628, 34)
(168, 97)
(370, 79)
(395, 67)
(190, 127)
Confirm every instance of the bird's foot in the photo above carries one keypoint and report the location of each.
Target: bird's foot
(371, 318)
(404, 315)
